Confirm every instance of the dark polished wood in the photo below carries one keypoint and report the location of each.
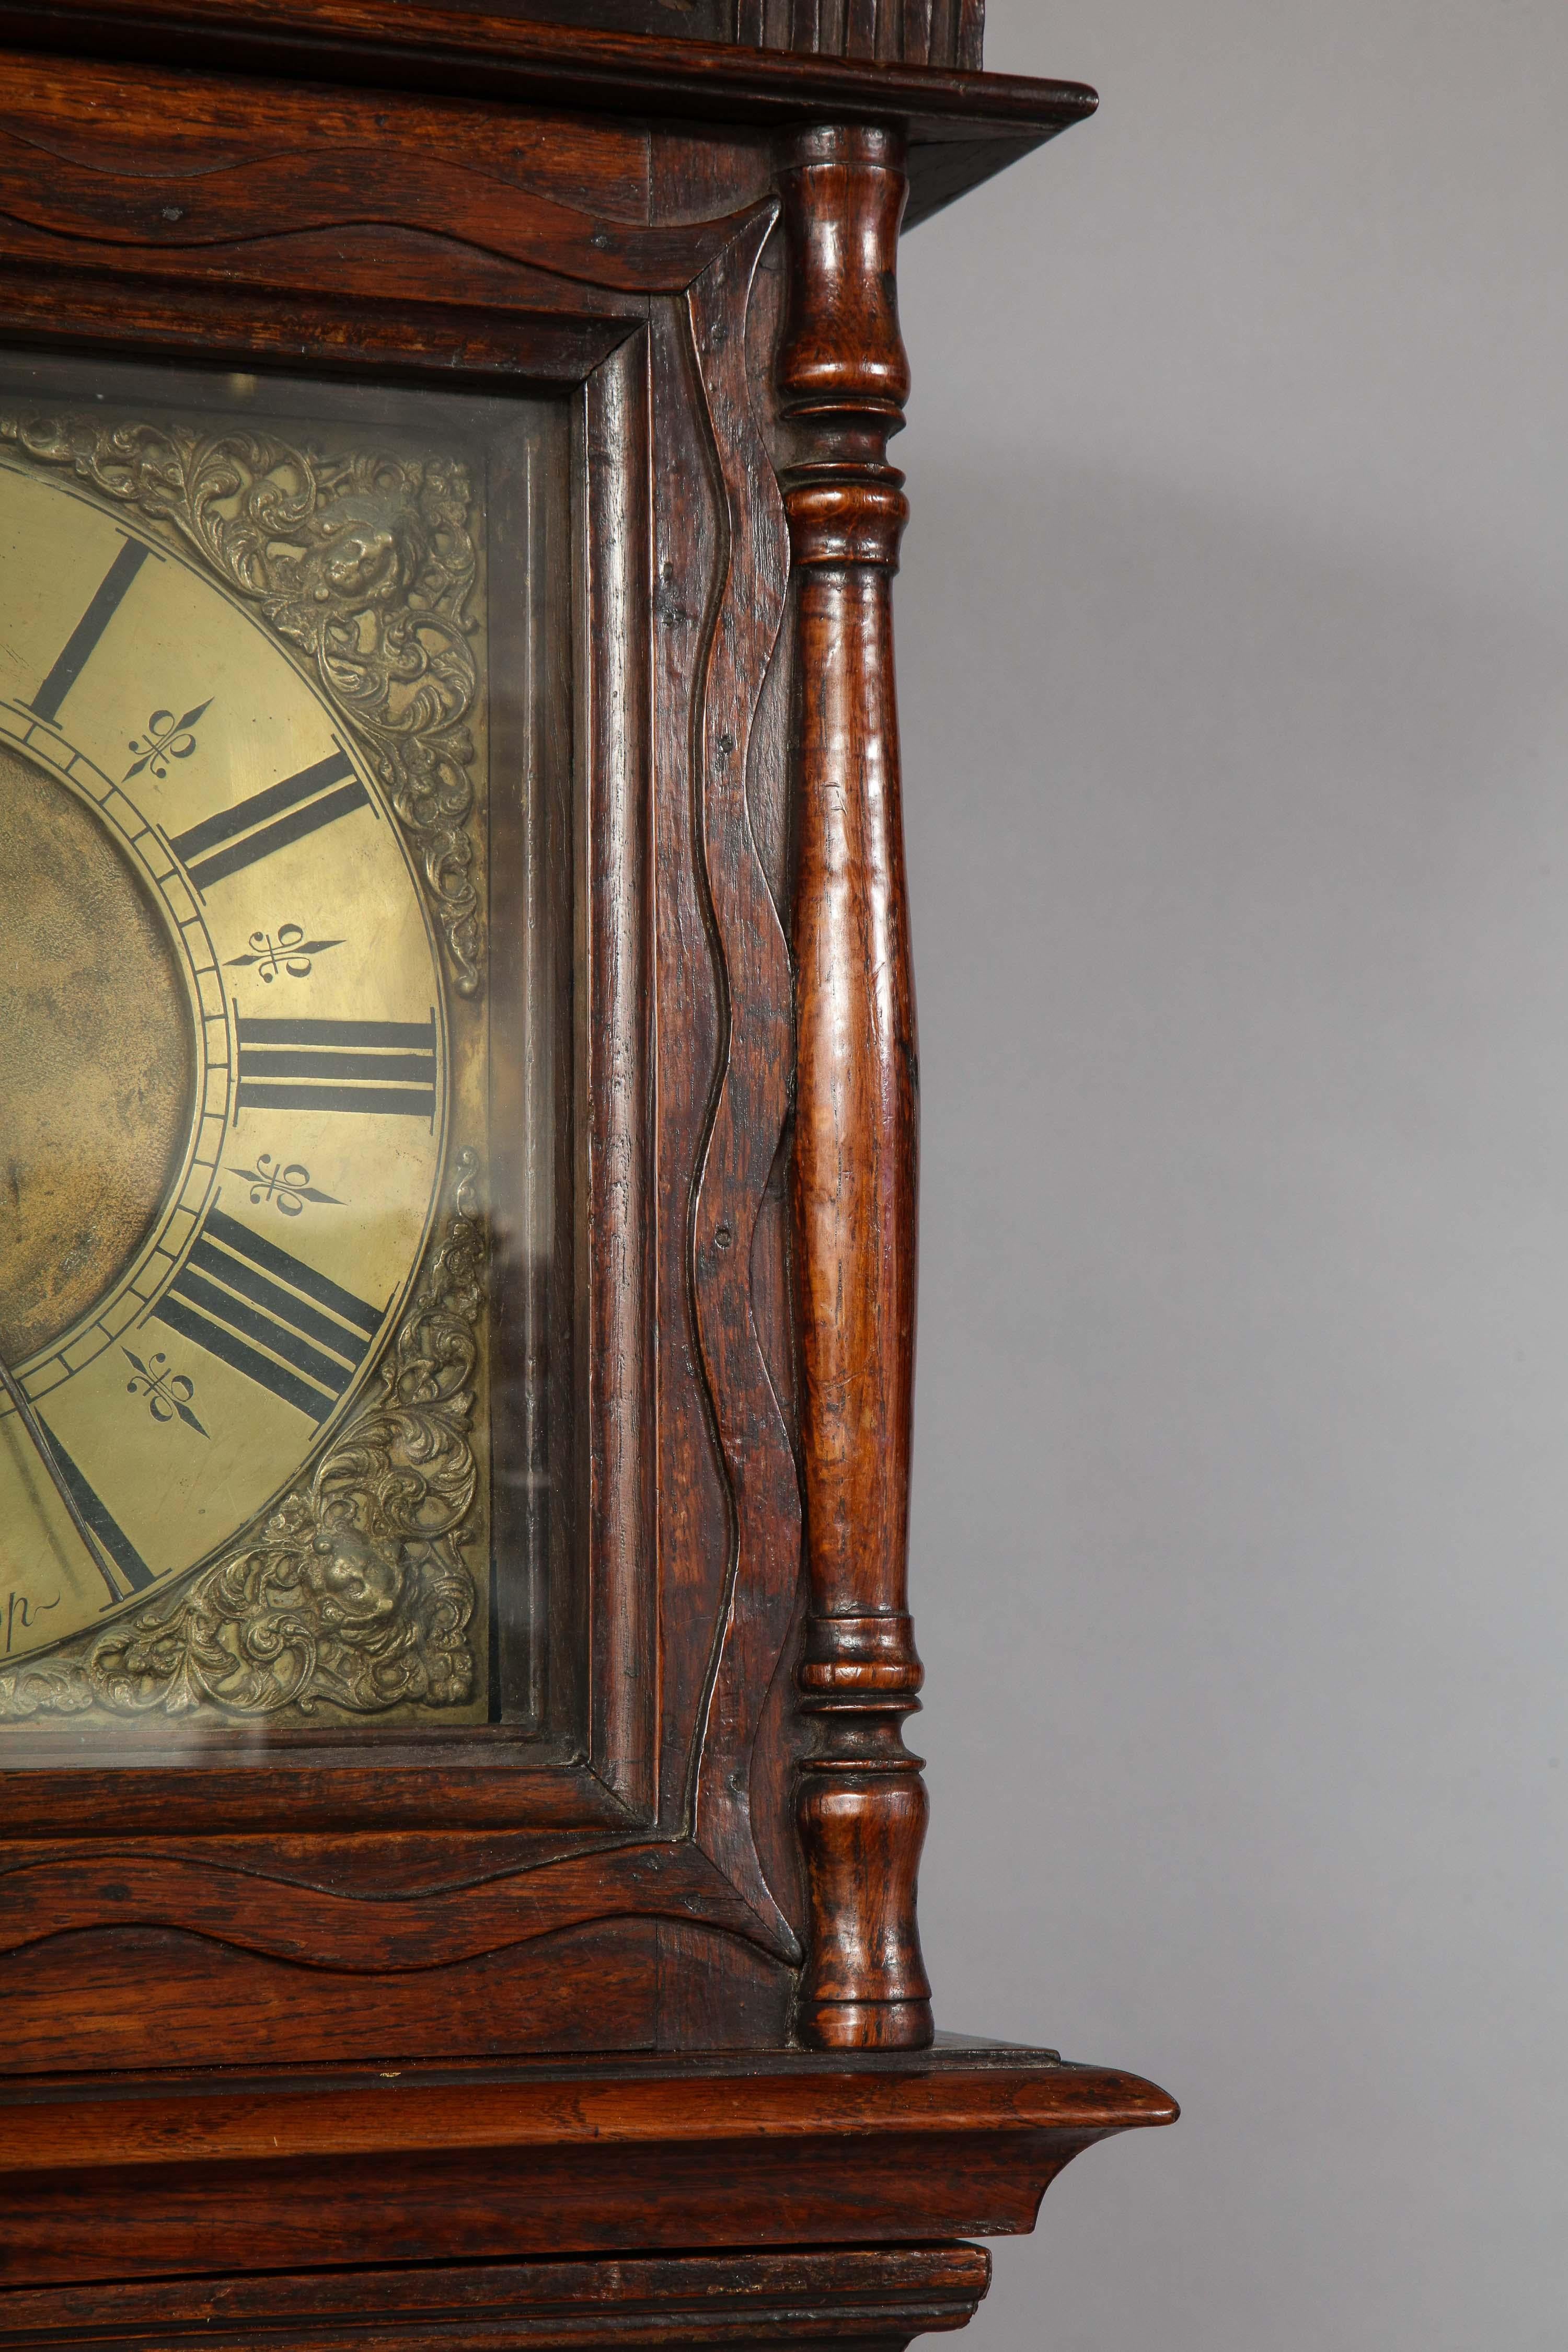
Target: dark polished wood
(852, 2298)
(204, 2174)
(845, 379)
(959, 127)
(897, 31)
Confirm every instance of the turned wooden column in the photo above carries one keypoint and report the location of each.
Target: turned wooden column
(845, 378)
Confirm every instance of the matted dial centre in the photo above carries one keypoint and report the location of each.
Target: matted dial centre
(97, 1059)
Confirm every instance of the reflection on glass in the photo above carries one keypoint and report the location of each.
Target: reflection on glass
(285, 1200)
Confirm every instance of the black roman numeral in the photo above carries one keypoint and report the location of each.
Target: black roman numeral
(224, 845)
(356, 1065)
(82, 642)
(270, 1316)
(113, 1547)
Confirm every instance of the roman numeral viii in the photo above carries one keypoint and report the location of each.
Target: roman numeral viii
(352, 1065)
(224, 845)
(82, 642)
(269, 1316)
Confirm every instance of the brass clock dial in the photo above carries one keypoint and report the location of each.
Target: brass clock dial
(223, 1063)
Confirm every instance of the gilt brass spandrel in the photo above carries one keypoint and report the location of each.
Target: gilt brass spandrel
(366, 561)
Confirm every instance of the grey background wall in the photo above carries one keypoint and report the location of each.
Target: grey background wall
(1234, 635)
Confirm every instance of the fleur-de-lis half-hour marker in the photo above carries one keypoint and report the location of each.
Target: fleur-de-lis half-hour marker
(167, 737)
(168, 1393)
(291, 951)
(288, 1189)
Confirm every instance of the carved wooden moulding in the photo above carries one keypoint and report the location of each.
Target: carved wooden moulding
(894, 32)
(889, 32)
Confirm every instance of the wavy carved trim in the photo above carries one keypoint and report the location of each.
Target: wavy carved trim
(752, 1099)
(250, 200)
(365, 564)
(200, 1894)
(357, 1593)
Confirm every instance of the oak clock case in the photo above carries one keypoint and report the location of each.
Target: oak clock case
(458, 1844)
(281, 1237)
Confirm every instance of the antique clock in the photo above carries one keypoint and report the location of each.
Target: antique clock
(457, 1842)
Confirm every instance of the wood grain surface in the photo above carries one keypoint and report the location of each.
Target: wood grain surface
(845, 378)
(203, 2175)
(893, 32)
(844, 2298)
(959, 127)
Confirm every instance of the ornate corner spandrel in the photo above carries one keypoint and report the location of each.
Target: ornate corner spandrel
(365, 563)
(843, 380)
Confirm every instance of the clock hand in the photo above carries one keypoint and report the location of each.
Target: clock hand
(46, 1456)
